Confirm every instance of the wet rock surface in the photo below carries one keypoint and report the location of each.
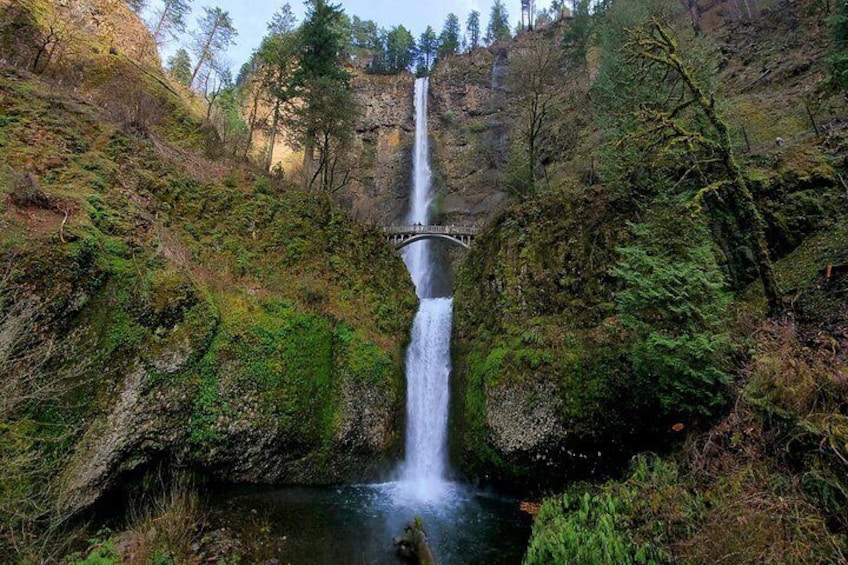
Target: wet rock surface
(467, 125)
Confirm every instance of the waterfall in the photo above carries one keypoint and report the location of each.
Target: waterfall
(417, 256)
(428, 356)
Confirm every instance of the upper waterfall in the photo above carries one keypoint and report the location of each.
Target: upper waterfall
(417, 256)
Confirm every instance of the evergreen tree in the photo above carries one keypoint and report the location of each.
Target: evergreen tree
(179, 66)
(322, 43)
(576, 37)
(498, 23)
(282, 22)
(366, 42)
(544, 17)
(428, 46)
(344, 29)
(170, 19)
(324, 121)
(137, 6)
(277, 58)
(400, 50)
(673, 304)
(214, 35)
(472, 29)
(365, 34)
(449, 39)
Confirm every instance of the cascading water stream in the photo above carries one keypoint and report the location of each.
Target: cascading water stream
(428, 357)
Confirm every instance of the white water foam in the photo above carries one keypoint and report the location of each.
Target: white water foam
(427, 372)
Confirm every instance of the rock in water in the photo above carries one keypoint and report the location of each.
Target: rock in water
(412, 544)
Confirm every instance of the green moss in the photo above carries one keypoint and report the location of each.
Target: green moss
(283, 360)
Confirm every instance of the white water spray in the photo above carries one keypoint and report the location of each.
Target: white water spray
(428, 357)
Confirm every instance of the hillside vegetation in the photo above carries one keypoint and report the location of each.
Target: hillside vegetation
(164, 310)
(666, 180)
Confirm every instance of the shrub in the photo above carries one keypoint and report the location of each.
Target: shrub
(673, 303)
(166, 525)
(604, 526)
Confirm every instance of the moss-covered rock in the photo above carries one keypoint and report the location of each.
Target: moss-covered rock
(539, 381)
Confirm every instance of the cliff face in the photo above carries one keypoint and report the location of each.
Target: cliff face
(75, 31)
(382, 150)
(468, 132)
(468, 141)
(381, 156)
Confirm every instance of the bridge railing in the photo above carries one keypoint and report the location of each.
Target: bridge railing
(420, 229)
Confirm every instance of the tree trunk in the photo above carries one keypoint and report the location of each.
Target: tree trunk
(204, 53)
(272, 141)
(745, 208)
(42, 49)
(308, 157)
(157, 31)
(749, 216)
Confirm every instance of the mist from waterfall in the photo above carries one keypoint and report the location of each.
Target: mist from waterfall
(428, 357)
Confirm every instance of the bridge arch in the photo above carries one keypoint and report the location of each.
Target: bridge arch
(424, 236)
(401, 236)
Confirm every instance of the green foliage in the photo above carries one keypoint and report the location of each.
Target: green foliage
(321, 44)
(365, 36)
(586, 527)
(394, 53)
(103, 552)
(169, 19)
(577, 36)
(428, 46)
(326, 118)
(228, 121)
(276, 56)
(179, 65)
(839, 51)
(498, 28)
(285, 362)
(585, 530)
(472, 29)
(449, 38)
(673, 302)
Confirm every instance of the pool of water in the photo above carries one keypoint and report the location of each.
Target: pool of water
(356, 524)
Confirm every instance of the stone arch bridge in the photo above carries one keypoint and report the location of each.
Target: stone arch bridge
(401, 236)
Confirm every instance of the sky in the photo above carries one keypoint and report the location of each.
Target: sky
(251, 16)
